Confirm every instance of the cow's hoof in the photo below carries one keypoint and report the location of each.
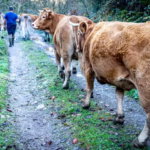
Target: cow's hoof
(24, 39)
(49, 40)
(92, 95)
(61, 74)
(62, 67)
(137, 144)
(2, 37)
(74, 70)
(66, 86)
(45, 40)
(85, 106)
(119, 119)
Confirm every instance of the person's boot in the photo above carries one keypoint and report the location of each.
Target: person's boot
(13, 41)
(10, 42)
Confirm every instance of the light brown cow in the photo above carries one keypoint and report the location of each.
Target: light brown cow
(63, 37)
(118, 53)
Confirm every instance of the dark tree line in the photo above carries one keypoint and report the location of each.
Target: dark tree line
(124, 10)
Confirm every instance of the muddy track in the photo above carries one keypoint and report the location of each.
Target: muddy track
(36, 127)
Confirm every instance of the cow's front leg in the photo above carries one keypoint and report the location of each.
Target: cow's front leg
(141, 140)
(89, 88)
(119, 118)
(67, 65)
(23, 32)
(58, 62)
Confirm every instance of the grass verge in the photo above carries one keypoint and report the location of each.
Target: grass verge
(5, 127)
(93, 128)
(133, 93)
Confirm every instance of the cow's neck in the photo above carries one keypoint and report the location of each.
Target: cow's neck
(57, 18)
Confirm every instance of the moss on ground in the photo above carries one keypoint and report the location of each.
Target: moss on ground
(93, 128)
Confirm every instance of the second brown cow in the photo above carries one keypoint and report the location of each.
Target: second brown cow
(64, 40)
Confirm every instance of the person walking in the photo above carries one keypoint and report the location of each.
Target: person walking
(10, 19)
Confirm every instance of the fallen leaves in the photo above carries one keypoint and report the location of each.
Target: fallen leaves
(49, 142)
(61, 116)
(53, 98)
(75, 141)
(99, 108)
(82, 100)
(8, 109)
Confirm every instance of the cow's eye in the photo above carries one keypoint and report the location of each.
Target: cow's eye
(43, 17)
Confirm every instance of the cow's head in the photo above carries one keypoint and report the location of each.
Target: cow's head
(82, 31)
(44, 21)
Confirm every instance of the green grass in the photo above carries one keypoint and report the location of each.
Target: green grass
(5, 127)
(133, 93)
(93, 128)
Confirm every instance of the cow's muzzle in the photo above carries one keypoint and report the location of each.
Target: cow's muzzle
(34, 26)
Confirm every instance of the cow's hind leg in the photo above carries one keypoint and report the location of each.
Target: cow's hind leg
(58, 62)
(119, 118)
(141, 140)
(89, 88)
(23, 32)
(74, 69)
(144, 96)
(67, 65)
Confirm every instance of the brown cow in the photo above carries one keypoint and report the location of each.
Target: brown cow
(63, 37)
(117, 53)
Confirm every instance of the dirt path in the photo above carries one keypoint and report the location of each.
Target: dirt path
(34, 124)
(104, 95)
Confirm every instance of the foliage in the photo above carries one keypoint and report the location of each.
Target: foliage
(133, 93)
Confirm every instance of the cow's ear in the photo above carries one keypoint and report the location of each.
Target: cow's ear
(83, 26)
(49, 14)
